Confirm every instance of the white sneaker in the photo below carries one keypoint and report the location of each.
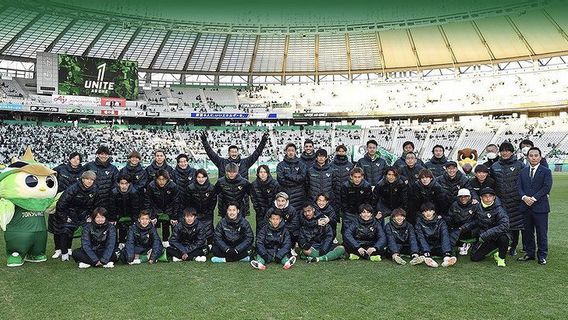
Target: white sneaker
(121, 246)
(135, 261)
(109, 265)
(200, 258)
(84, 265)
(257, 265)
(174, 259)
(449, 261)
(69, 251)
(166, 244)
(293, 252)
(56, 254)
(335, 241)
(65, 257)
(290, 263)
(430, 262)
(463, 249)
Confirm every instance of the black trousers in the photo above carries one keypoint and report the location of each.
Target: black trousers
(217, 252)
(350, 250)
(79, 255)
(63, 242)
(174, 252)
(479, 252)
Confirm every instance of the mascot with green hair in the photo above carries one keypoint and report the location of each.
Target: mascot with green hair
(27, 190)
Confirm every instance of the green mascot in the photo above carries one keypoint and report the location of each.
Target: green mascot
(27, 190)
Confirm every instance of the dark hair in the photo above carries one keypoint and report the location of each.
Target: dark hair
(232, 203)
(321, 152)
(506, 146)
(398, 212)
(372, 141)
(308, 141)
(365, 207)
(74, 154)
(527, 142)
(308, 204)
(98, 211)
(162, 173)
(438, 146)
(126, 177)
(144, 213)
(537, 149)
(103, 149)
(411, 152)
(231, 167)
(188, 211)
(263, 166)
(427, 206)
(233, 147)
(290, 145)
(425, 173)
(356, 170)
(182, 155)
(201, 171)
(341, 146)
(393, 169)
(159, 150)
(324, 195)
(406, 143)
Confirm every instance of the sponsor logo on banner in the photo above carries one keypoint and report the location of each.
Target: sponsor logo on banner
(113, 102)
(44, 109)
(109, 112)
(100, 86)
(139, 113)
(152, 114)
(11, 106)
(80, 110)
(75, 100)
(219, 115)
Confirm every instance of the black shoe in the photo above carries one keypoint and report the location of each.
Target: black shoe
(542, 262)
(512, 252)
(525, 258)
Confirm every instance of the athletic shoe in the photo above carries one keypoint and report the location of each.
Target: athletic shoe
(218, 260)
(398, 259)
(109, 265)
(174, 259)
(84, 265)
(293, 252)
(14, 260)
(416, 260)
(512, 252)
(165, 244)
(354, 257)
(257, 265)
(35, 259)
(376, 258)
(65, 257)
(200, 258)
(464, 249)
(542, 262)
(135, 261)
(289, 263)
(121, 246)
(70, 251)
(431, 263)
(500, 262)
(245, 259)
(56, 254)
(449, 261)
(525, 258)
(312, 259)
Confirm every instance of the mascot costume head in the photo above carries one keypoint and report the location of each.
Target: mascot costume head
(27, 190)
(467, 159)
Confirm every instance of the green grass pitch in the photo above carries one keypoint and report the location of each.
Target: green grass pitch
(333, 290)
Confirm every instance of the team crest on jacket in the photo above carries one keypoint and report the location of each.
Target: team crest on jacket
(297, 168)
(372, 229)
(207, 194)
(512, 168)
(168, 192)
(240, 187)
(489, 215)
(346, 168)
(107, 172)
(137, 177)
(327, 174)
(362, 191)
(378, 164)
(268, 190)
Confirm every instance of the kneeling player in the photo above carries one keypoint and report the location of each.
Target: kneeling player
(316, 237)
(401, 238)
(142, 242)
(233, 237)
(433, 237)
(364, 237)
(188, 240)
(98, 242)
(273, 243)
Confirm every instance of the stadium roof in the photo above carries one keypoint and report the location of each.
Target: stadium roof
(284, 38)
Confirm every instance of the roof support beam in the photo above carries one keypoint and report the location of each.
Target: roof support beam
(556, 25)
(166, 38)
(348, 48)
(285, 60)
(19, 34)
(521, 36)
(223, 53)
(316, 58)
(92, 44)
(482, 38)
(414, 51)
(448, 45)
(381, 55)
(253, 59)
(186, 65)
(61, 34)
(129, 43)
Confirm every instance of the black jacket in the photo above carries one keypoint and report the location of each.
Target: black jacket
(352, 196)
(263, 194)
(401, 235)
(365, 234)
(307, 159)
(77, 203)
(374, 169)
(314, 236)
(153, 168)
(233, 190)
(234, 234)
(433, 234)
(436, 165)
(408, 174)
(67, 175)
(243, 163)
(452, 186)
(320, 180)
(138, 175)
(183, 177)
(99, 241)
(202, 197)
(291, 218)
(273, 242)
(419, 194)
(162, 200)
(462, 216)
(188, 237)
(291, 176)
(143, 238)
(107, 174)
(328, 211)
(400, 162)
(341, 173)
(125, 204)
(389, 196)
(491, 222)
(506, 173)
(475, 186)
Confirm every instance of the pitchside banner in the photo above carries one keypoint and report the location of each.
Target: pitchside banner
(82, 76)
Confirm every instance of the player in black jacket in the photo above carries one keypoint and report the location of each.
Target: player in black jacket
(143, 243)
(233, 237)
(98, 242)
(188, 240)
(273, 243)
(365, 237)
(316, 237)
(161, 199)
(433, 237)
(401, 239)
(263, 193)
(125, 206)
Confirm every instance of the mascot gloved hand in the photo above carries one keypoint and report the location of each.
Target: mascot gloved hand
(467, 159)
(27, 189)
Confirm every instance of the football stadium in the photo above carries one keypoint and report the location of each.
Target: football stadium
(283, 159)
